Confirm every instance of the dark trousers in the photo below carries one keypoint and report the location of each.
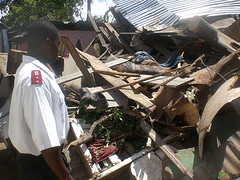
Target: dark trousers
(34, 168)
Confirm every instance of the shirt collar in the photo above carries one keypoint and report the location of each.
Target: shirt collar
(36, 62)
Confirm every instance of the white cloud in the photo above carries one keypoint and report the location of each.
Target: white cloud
(98, 8)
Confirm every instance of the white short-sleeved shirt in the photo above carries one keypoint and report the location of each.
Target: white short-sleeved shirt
(38, 113)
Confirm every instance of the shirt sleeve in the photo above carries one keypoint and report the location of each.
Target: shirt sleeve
(37, 107)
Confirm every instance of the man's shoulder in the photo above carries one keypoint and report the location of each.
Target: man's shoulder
(31, 74)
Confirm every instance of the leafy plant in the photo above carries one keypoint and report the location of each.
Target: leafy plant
(22, 12)
(104, 133)
(90, 117)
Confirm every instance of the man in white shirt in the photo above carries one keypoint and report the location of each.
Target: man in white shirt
(38, 122)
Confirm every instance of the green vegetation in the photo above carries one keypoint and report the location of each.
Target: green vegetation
(22, 12)
(121, 127)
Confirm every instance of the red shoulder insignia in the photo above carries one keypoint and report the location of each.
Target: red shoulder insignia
(36, 77)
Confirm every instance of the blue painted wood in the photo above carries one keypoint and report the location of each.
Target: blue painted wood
(5, 40)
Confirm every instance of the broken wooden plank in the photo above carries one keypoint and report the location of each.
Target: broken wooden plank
(105, 33)
(79, 74)
(3, 64)
(206, 75)
(166, 149)
(165, 82)
(115, 33)
(89, 45)
(131, 83)
(116, 73)
(206, 31)
(175, 83)
(128, 91)
(77, 131)
(115, 99)
(89, 78)
(95, 26)
(110, 171)
(136, 86)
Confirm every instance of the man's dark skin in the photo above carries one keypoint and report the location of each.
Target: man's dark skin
(47, 53)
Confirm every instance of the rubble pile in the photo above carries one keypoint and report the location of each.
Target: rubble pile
(179, 86)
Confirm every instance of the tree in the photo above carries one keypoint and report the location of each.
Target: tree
(23, 12)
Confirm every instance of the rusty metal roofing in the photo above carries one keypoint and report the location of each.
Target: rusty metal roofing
(160, 13)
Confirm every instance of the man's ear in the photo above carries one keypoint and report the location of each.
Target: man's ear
(47, 41)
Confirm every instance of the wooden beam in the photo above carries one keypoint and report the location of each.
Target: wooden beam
(168, 81)
(136, 86)
(103, 30)
(79, 74)
(115, 33)
(166, 149)
(204, 30)
(89, 78)
(116, 73)
(127, 91)
(95, 26)
(131, 83)
(114, 99)
(89, 45)
(3, 64)
(109, 173)
(127, 33)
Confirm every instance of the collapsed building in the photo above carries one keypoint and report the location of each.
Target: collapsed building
(154, 95)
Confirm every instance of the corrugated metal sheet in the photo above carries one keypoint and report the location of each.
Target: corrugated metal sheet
(160, 13)
(231, 161)
(146, 12)
(190, 8)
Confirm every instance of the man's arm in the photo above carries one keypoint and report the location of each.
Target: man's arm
(54, 160)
